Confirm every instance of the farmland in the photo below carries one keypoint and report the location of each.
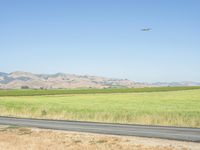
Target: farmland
(178, 106)
(36, 92)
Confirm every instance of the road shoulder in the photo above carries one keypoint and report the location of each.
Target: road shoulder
(14, 138)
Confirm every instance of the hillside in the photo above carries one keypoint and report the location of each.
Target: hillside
(25, 80)
(19, 79)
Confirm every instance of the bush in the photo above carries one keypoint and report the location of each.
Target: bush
(24, 87)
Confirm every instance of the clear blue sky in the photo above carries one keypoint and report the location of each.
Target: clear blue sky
(102, 37)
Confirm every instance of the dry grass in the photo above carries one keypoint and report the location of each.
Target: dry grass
(13, 138)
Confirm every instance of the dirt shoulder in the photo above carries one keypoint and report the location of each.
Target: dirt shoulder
(15, 138)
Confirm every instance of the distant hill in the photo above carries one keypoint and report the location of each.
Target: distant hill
(185, 83)
(19, 79)
(25, 80)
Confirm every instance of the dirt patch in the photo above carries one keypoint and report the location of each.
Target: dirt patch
(14, 138)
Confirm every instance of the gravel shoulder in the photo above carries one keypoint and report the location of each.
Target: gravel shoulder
(20, 138)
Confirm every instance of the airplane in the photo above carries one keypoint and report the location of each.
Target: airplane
(146, 29)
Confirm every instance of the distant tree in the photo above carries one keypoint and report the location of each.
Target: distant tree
(24, 87)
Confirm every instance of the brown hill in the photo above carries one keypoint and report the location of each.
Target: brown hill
(19, 79)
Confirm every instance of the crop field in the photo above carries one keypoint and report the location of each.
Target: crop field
(32, 92)
(173, 107)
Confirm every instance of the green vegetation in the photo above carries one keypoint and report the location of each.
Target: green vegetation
(32, 92)
(178, 108)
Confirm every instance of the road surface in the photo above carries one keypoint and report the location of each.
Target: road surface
(173, 133)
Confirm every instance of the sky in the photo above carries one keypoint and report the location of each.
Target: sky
(103, 38)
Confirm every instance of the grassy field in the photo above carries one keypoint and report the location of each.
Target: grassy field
(32, 92)
(177, 108)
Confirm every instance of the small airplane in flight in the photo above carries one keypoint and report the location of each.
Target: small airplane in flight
(146, 29)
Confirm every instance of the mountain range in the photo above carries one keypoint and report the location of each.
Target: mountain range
(25, 80)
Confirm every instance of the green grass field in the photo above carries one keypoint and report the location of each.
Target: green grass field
(173, 107)
(32, 92)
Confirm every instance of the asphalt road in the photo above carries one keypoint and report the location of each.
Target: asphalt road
(173, 133)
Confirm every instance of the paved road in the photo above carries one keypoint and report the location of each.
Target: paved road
(174, 133)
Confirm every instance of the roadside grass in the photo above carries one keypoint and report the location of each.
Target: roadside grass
(173, 108)
(19, 130)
